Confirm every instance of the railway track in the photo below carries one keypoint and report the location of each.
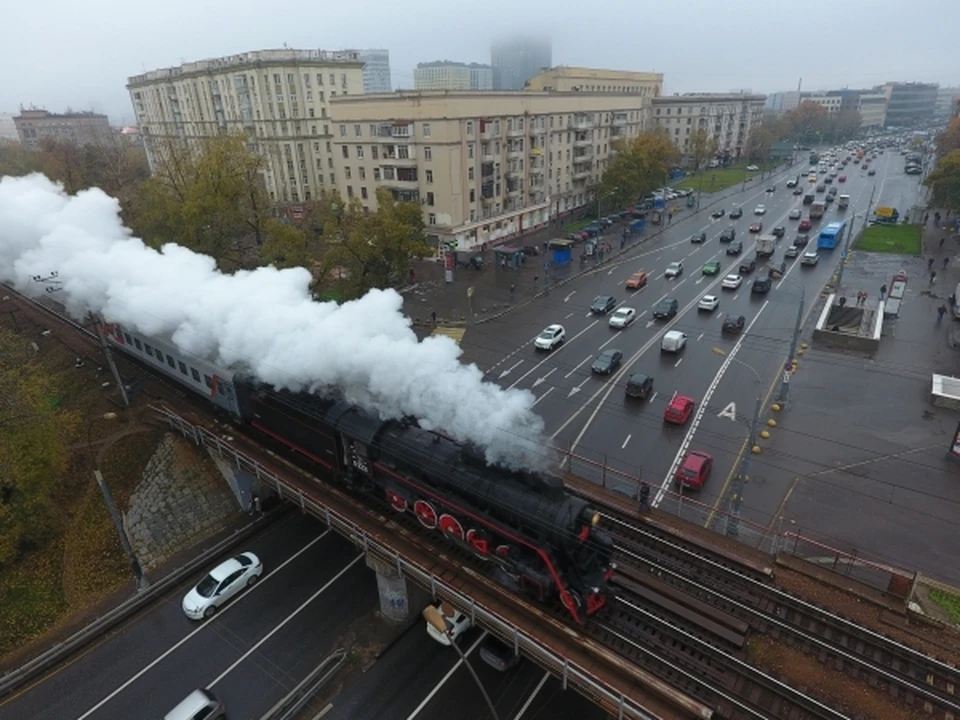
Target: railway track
(900, 671)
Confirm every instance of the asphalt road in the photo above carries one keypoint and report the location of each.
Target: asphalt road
(591, 414)
(418, 678)
(250, 654)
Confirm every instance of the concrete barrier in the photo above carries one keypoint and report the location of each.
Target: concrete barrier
(867, 342)
(945, 392)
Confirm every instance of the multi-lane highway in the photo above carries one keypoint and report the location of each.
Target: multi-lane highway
(723, 373)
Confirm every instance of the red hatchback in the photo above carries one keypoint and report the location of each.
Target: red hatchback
(842, 178)
(679, 410)
(694, 470)
(804, 225)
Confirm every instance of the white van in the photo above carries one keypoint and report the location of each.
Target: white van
(198, 705)
(810, 257)
(673, 341)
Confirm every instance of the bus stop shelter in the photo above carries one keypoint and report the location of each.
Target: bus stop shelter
(562, 251)
(508, 257)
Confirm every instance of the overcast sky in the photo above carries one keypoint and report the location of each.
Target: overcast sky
(79, 53)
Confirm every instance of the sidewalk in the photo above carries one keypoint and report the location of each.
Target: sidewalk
(492, 295)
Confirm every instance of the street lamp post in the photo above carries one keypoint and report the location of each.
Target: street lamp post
(433, 616)
(733, 523)
(785, 381)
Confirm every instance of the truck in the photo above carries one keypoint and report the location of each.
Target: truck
(814, 158)
(886, 215)
(766, 244)
(843, 202)
(817, 209)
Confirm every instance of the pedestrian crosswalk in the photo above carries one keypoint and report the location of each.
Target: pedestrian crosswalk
(454, 333)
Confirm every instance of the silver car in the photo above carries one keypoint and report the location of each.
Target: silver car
(222, 583)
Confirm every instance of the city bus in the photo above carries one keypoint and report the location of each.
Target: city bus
(831, 235)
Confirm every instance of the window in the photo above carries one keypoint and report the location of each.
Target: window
(147, 346)
(473, 195)
(431, 219)
(333, 179)
(374, 152)
(429, 198)
(360, 151)
(373, 131)
(333, 78)
(183, 366)
(350, 191)
(345, 151)
(330, 162)
(428, 175)
(403, 152)
(343, 131)
(171, 362)
(193, 371)
(363, 172)
(363, 192)
(470, 173)
(376, 174)
(208, 381)
(137, 343)
(127, 337)
(346, 173)
(426, 129)
(469, 127)
(470, 150)
(428, 153)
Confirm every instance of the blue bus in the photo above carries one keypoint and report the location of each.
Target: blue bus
(831, 235)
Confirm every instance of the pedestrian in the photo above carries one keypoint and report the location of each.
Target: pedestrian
(926, 218)
(930, 264)
(933, 276)
(946, 261)
(941, 311)
(864, 301)
(883, 292)
(942, 240)
(859, 297)
(512, 289)
(413, 275)
(535, 279)
(433, 317)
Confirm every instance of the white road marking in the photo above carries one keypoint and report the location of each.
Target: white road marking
(567, 316)
(443, 680)
(550, 356)
(700, 337)
(569, 295)
(677, 363)
(576, 388)
(548, 391)
(544, 377)
(654, 396)
(586, 359)
(536, 691)
(700, 279)
(511, 369)
(612, 338)
(651, 323)
(626, 441)
(730, 411)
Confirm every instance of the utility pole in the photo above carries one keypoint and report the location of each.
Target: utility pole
(142, 582)
(785, 382)
(733, 523)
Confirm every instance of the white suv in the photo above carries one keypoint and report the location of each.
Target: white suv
(551, 337)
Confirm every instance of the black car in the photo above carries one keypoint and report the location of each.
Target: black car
(761, 286)
(736, 213)
(718, 214)
(779, 231)
(735, 248)
(798, 191)
(801, 240)
(498, 654)
(728, 235)
(666, 308)
(700, 237)
(748, 267)
(531, 250)
(603, 304)
(821, 188)
(733, 325)
(639, 386)
(828, 180)
(772, 188)
(607, 361)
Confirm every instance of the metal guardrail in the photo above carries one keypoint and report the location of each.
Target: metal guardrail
(15, 679)
(298, 698)
(570, 674)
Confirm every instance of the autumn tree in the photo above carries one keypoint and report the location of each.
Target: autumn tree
(760, 141)
(949, 139)
(361, 250)
(844, 125)
(640, 165)
(807, 123)
(702, 147)
(33, 450)
(944, 182)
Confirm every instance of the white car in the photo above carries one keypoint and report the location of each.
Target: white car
(760, 210)
(222, 583)
(457, 624)
(810, 257)
(674, 269)
(551, 337)
(623, 317)
(708, 303)
(752, 168)
(731, 282)
(795, 214)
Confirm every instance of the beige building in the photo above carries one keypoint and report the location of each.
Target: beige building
(873, 109)
(831, 103)
(727, 118)
(77, 128)
(280, 99)
(484, 165)
(446, 75)
(578, 79)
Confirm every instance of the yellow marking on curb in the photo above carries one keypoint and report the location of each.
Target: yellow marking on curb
(454, 333)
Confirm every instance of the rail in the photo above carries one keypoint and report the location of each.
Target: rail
(297, 699)
(570, 674)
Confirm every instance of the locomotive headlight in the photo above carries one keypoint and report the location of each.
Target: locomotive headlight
(595, 520)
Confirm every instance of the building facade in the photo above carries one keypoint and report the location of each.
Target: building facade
(577, 79)
(447, 75)
(727, 118)
(376, 70)
(947, 98)
(909, 103)
(517, 59)
(279, 99)
(8, 128)
(484, 165)
(76, 128)
(873, 109)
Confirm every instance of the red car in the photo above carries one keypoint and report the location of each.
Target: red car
(804, 225)
(679, 410)
(694, 470)
(842, 178)
(756, 227)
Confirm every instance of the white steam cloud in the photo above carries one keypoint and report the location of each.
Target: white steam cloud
(263, 321)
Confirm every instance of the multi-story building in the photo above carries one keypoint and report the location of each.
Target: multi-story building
(77, 128)
(909, 103)
(279, 99)
(578, 79)
(484, 165)
(872, 108)
(829, 102)
(376, 70)
(447, 75)
(947, 98)
(8, 128)
(727, 118)
(517, 59)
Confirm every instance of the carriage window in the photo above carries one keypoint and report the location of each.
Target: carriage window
(171, 362)
(137, 343)
(183, 366)
(196, 375)
(209, 381)
(126, 336)
(149, 348)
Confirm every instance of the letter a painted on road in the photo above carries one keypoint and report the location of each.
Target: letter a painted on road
(730, 411)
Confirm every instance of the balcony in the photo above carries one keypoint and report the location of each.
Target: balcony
(582, 141)
(580, 124)
(486, 153)
(516, 131)
(619, 119)
(514, 150)
(582, 174)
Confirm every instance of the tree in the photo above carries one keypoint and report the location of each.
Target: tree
(949, 139)
(285, 245)
(944, 182)
(759, 142)
(641, 164)
(844, 125)
(807, 123)
(33, 448)
(362, 250)
(702, 147)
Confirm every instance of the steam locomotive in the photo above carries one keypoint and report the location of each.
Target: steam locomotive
(534, 537)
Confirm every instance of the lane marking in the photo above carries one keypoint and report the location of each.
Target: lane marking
(443, 680)
(626, 441)
(569, 295)
(586, 359)
(536, 691)
(511, 369)
(547, 392)
(543, 378)
(677, 363)
(549, 356)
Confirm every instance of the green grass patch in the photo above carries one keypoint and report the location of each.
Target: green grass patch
(715, 179)
(574, 227)
(949, 602)
(898, 239)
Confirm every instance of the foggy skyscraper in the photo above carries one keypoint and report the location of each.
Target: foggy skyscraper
(518, 58)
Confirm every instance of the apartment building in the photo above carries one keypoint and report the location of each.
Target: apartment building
(518, 58)
(279, 99)
(947, 98)
(484, 165)
(909, 103)
(727, 118)
(579, 79)
(77, 128)
(447, 75)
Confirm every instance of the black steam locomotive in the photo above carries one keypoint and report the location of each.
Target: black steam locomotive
(536, 538)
